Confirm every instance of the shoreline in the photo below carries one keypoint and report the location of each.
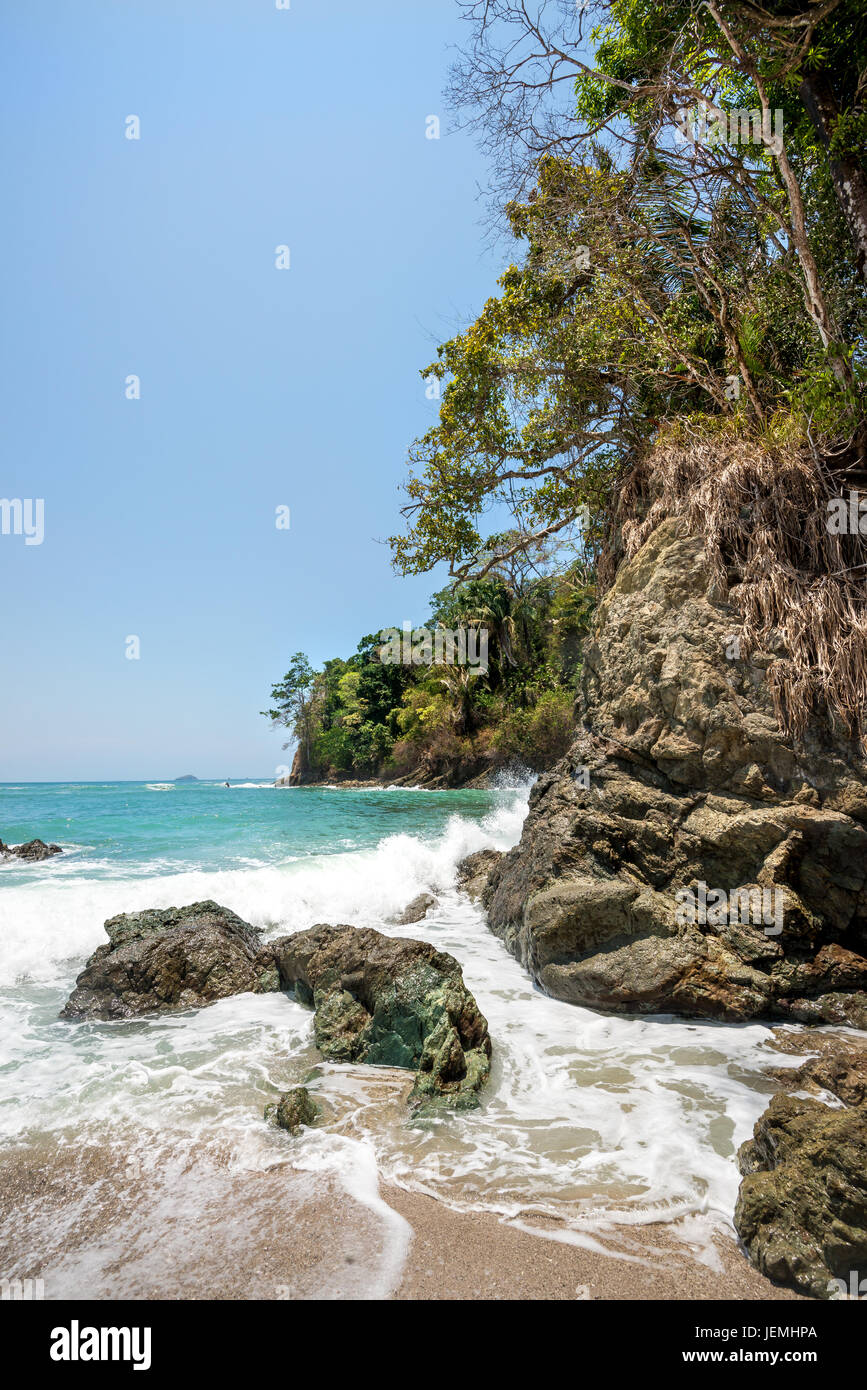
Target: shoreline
(227, 1209)
(436, 784)
(188, 1223)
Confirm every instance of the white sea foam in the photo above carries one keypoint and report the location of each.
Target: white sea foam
(604, 1121)
(50, 924)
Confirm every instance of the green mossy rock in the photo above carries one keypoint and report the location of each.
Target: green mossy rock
(802, 1207)
(294, 1109)
(393, 1002)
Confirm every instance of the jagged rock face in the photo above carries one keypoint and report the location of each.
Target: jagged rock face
(390, 1002)
(474, 873)
(681, 777)
(172, 958)
(298, 773)
(802, 1207)
(838, 1063)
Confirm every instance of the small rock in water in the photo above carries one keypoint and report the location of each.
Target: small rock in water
(390, 1001)
(294, 1109)
(416, 910)
(32, 851)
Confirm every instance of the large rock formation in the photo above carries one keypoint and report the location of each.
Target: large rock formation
(681, 782)
(390, 1002)
(378, 999)
(802, 1207)
(299, 773)
(171, 958)
(474, 873)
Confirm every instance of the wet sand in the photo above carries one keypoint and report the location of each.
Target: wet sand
(194, 1227)
(476, 1256)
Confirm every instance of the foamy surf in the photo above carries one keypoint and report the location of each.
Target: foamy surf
(600, 1124)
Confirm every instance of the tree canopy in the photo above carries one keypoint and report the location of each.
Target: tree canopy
(665, 277)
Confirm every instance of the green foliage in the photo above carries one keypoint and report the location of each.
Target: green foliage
(364, 718)
(292, 694)
(712, 289)
(655, 283)
(538, 736)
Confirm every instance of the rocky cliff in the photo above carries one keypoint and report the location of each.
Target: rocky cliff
(687, 855)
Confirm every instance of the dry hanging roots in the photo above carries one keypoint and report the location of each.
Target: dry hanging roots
(798, 586)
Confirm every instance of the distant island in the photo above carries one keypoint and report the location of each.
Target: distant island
(188, 778)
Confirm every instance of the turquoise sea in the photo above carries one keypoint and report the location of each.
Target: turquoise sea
(131, 828)
(602, 1123)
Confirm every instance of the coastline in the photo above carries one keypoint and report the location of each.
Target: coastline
(419, 781)
(180, 1191)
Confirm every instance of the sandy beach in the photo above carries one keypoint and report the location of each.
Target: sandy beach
(92, 1226)
(474, 1256)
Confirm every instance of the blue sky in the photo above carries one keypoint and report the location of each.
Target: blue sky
(259, 387)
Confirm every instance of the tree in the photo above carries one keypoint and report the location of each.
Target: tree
(661, 281)
(654, 57)
(460, 683)
(294, 705)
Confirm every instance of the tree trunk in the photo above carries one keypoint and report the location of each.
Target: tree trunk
(849, 178)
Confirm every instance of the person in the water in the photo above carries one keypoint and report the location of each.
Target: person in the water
(225, 784)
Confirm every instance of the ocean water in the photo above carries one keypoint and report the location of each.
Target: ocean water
(598, 1123)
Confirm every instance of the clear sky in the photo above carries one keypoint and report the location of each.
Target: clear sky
(260, 387)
